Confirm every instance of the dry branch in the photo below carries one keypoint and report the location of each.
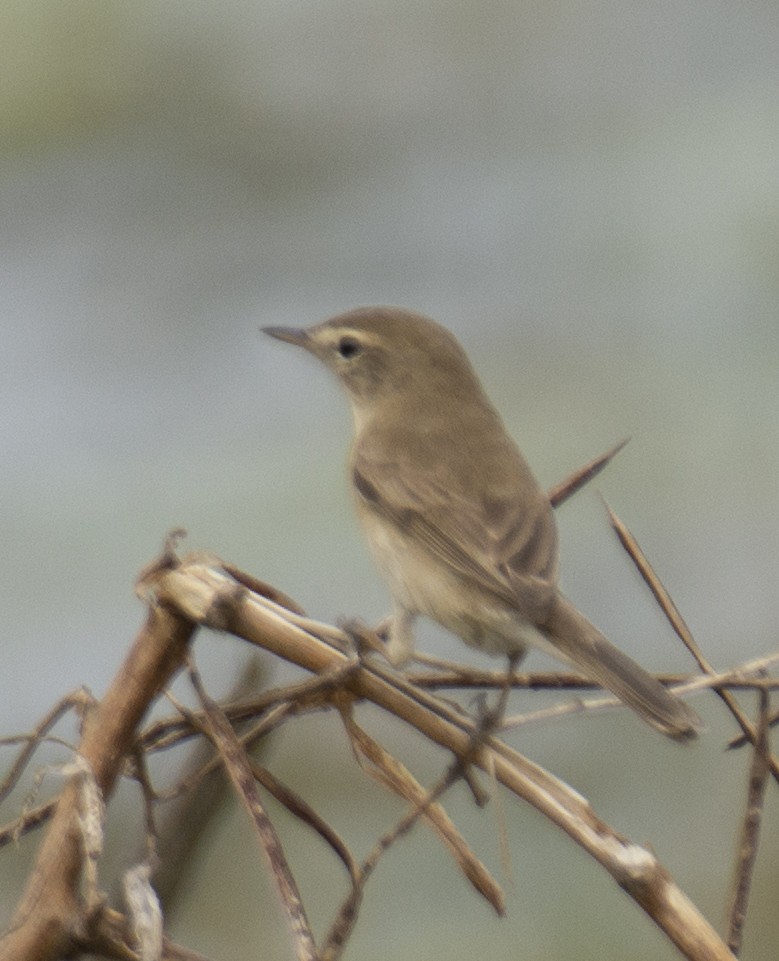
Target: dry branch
(196, 589)
(222, 736)
(389, 772)
(61, 912)
(567, 488)
(51, 915)
(107, 937)
(80, 700)
(750, 831)
(677, 622)
(52, 918)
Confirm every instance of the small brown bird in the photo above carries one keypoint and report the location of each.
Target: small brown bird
(459, 527)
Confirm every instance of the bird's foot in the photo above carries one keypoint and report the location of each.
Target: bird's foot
(364, 640)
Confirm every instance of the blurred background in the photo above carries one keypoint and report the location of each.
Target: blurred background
(588, 195)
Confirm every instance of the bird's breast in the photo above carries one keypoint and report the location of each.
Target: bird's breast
(422, 584)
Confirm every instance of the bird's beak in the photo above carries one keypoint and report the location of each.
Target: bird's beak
(292, 335)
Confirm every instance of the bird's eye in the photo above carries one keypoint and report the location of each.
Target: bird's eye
(349, 347)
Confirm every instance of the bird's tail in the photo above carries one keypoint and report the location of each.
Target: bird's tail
(582, 643)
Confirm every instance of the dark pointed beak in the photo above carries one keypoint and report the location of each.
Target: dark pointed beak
(292, 335)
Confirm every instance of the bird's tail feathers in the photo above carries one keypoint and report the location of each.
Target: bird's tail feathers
(582, 643)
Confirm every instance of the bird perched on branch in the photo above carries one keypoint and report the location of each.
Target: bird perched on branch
(458, 525)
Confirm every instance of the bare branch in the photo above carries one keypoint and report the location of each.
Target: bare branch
(347, 914)
(108, 937)
(561, 492)
(393, 775)
(192, 588)
(750, 830)
(263, 589)
(236, 763)
(54, 919)
(79, 699)
(45, 921)
(680, 627)
(738, 677)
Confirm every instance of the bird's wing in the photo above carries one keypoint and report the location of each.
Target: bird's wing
(506, 543)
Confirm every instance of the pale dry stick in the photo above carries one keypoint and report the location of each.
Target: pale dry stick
(739, 740)
(738, 677)
(303, 811)
(284, 709)
(345, 643)
(311, 695)
(199, 592)
(80, 699)
(396, 777)
(308, 695)
(424, 804)
(27, 821)
(750, 829)
(236, 763)
(744, 676)
(450, 674)
(561, 492)
(107, 938)
(677, 622)
(50, 914)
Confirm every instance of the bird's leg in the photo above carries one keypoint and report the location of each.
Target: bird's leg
(363, 639)
(496, 715)
(490, 720)
(393, 637)
(398, 635)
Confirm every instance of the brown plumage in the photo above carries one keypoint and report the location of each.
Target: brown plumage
(459, 527)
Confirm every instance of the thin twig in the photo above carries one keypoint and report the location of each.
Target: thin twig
(396, 777)
(313, 693)
(750, 829)
(263, 588)
(50, 910)
(220, 733)
(305, 813)
(424, 805)
(569, 681)
(738, 677)
(523, 680)
(677, 622)
(193, 589)
(27, 821)
(740, 740)
(107, 937)
(79, 699)
(661, 595)
(561, 492)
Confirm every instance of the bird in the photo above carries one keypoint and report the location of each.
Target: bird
(460, 529)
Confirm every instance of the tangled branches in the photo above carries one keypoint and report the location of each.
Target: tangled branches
(63, 912)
